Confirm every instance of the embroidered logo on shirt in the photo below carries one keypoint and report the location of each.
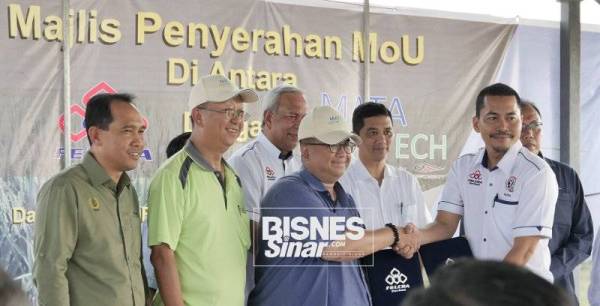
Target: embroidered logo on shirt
(510, 183)
(270, 173)
(475, 178)
(94, 204)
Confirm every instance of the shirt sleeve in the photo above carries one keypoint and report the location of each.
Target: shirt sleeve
(251, 185)
(578, 246)
(451, 197)
(166, 210)
(55, 240)
(535, 212)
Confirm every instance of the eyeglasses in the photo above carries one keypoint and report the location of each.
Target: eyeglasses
(229, 112)
(348, 146)
(535, 126)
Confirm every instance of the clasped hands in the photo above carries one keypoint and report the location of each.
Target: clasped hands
(409, 242)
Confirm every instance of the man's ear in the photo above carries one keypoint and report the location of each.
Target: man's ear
(94, 134)
(197, 116)
(304, 153)
(268, 118)
(476, 123)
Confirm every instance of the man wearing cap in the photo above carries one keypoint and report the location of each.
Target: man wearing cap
(383, 194)
(573, 231)
(88, 245)
(262, 161)
(197, 225)
(504, 194)
(311, 234)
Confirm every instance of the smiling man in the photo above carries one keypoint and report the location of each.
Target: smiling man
(383, 194)
(261, 162)
(308, 244)
(88, 237)
(504, 194)
(197, 224)
(573, 231)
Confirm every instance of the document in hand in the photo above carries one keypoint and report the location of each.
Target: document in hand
(391, 276)
(437, 254)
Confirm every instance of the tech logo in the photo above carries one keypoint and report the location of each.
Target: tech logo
(79, 110)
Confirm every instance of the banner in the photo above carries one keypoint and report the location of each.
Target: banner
(426, 70)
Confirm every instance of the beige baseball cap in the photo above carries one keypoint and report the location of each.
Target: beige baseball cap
(327, 125)
(217, 88)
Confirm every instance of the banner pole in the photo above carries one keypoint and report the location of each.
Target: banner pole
(66, 83)
(366, 72)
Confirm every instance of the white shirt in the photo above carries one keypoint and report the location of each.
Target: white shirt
(258, 165)
(399, 200)
(594, 291)
(515, 199)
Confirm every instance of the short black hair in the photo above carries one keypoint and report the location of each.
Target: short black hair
(97, 112)
(177, 143)
(498, 89)
(367, 110)
(526, 103)
(469, 282)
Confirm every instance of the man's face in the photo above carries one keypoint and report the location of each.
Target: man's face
(122, 144)
(376, 135)
(326, 165)
(531, 133)
(499, 123)
(282, 125)
(220, 127)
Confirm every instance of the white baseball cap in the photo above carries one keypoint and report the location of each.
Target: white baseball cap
(327, 125)
(217, 88)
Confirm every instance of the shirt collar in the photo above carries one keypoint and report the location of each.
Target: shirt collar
(363, 173)
(197, 157)
(507, 161)
(272, 150)
(312, 180)
(97, 174)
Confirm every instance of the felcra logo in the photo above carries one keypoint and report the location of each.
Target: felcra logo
(78, 110)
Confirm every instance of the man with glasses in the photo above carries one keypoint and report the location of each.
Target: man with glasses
(267, 158)
(309, 199)
(573, 231)
(383, 194)
(197, 224)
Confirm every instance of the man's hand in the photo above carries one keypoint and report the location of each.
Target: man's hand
(410, 241)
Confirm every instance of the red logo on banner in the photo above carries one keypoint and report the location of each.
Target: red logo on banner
(77, 110)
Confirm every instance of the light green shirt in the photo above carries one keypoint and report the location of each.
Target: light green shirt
(206, 225)
(88, 239)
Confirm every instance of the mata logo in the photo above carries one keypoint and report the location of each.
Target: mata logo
(396, 281)
(270, 173)
(475, 178)
(77, 110)
(510, 183)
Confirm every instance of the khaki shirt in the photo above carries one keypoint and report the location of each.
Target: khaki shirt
(88, 239)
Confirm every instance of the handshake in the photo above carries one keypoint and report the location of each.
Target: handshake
(409, 242)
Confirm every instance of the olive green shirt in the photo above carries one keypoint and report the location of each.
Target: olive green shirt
(88, 239)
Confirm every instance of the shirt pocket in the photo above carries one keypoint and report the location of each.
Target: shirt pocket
(504, 212)
(405, 212)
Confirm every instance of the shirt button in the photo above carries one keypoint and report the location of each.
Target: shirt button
(491, 184)
(484, 240)
(486, 212)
